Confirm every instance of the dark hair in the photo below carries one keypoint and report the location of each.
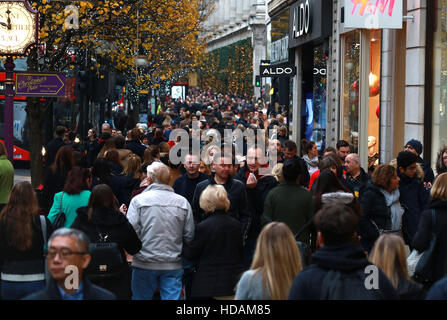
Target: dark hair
(120, 142)
(2, 149)
(113, 156)
(105, 135)
(330, 161)
(327, 182)
(101, 197)
(440, 167)
(64, 160)
(101, 171)
(151, 153)
(135, 134)
(291, 145)
(330, 149)
(337, 223)
(60, 131)
(17, 216)
(342, 143)
(76, 180)
(306, 146)
(406, 159)
(291, 170)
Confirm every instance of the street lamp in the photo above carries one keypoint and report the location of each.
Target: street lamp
(141, 61)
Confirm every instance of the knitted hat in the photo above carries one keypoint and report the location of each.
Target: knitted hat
(416, 145)
(406, 159)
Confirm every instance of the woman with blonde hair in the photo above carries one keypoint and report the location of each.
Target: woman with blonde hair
(389, 255)
(130, 180)
(216, 249)
(275, 265)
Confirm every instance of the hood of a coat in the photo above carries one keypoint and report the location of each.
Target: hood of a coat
(438, 204)
(101, 216)
(341, 196)
(347, 257)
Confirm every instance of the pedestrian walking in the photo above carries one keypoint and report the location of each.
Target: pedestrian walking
(381, 207)
(56, 176)
(6, 176)
(310, 155)
(75, 194)
(389, 255)
(424, 234)
(68, 250)
(163, 221)
(101, 220)
(338, 269)
(54, 145)
(129, 180)
(415, 146)
(217, 248)
(22, 244)
(275, 265)
(441, 161)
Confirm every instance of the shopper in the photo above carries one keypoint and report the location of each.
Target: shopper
(6, 176)
(22, 244)
(275, 265)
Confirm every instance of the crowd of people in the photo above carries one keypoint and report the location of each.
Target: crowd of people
(254, 222)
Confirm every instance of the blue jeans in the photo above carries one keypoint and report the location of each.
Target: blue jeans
(145, 282)
(18, 290)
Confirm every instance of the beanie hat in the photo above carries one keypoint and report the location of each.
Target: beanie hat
(406, 159)
(416, 145)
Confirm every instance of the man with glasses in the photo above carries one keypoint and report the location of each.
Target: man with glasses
(67, 258)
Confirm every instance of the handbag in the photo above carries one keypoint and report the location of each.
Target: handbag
(424, 271)
(108, 259)
(43, 224)
(59, 221)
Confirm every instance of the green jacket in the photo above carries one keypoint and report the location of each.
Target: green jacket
(6, 179)
(292, 204)
(70, 203)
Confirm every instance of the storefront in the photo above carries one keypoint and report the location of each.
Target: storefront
(309, 33)
(361, 79)
(439, 92)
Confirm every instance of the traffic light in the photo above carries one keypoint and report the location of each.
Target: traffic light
(257, 81)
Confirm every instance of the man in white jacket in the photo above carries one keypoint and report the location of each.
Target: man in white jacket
(163, 220)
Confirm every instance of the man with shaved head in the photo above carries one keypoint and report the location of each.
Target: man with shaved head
(356, 177)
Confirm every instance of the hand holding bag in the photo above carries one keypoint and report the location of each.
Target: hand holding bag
(59, 221)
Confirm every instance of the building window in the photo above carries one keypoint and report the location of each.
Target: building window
(351, 89)
(439, 135)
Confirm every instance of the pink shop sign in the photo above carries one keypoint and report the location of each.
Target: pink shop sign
(373, 14)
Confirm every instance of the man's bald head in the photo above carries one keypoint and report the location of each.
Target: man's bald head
(352, 163)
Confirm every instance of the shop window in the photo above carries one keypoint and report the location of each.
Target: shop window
(351, 89)
(439, 133)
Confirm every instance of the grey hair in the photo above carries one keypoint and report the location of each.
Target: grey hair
(82, 241)
(355, 157)
(158, 172)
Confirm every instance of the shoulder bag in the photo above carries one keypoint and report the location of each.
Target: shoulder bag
(59, 221)
(43, 224)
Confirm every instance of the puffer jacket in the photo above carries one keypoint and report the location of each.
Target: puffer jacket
(339, 196)
(163, 221)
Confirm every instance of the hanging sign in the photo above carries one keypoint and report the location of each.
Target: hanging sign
(279, 70)
(373, 14)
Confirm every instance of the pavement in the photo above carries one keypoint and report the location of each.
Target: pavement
(21, 175)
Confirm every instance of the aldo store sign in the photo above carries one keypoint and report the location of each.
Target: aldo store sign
(301, 22)
(310, 20)
(279, 70)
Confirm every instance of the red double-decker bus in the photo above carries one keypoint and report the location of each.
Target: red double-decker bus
(20, 125)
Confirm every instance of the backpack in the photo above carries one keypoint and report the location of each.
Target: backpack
(339, 285)
(108, 259)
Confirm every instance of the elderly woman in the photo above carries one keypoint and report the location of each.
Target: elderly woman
(217, 248)
(382, 211)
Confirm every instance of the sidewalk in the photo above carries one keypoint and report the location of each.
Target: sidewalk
(22, 175)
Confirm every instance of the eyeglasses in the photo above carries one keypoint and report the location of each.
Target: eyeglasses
(63, 254)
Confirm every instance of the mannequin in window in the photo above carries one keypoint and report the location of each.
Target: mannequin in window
(373, 157)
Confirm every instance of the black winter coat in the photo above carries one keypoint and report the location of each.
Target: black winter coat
(52, 148)
(423, 235)
(357, 184)
(91, 292)
(410, 290)
(256, 198)
(217, 250)
(136, 147)
(347, 258)
(374, 208)
(236, 194)
(111, 222)
(415, 198)
(53, 183)
(429, 175)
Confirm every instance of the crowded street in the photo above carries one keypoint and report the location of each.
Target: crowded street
(216, 151)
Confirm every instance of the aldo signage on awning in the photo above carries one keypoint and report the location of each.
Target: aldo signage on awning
(373, 14)
(279, 70)
(309, 20)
